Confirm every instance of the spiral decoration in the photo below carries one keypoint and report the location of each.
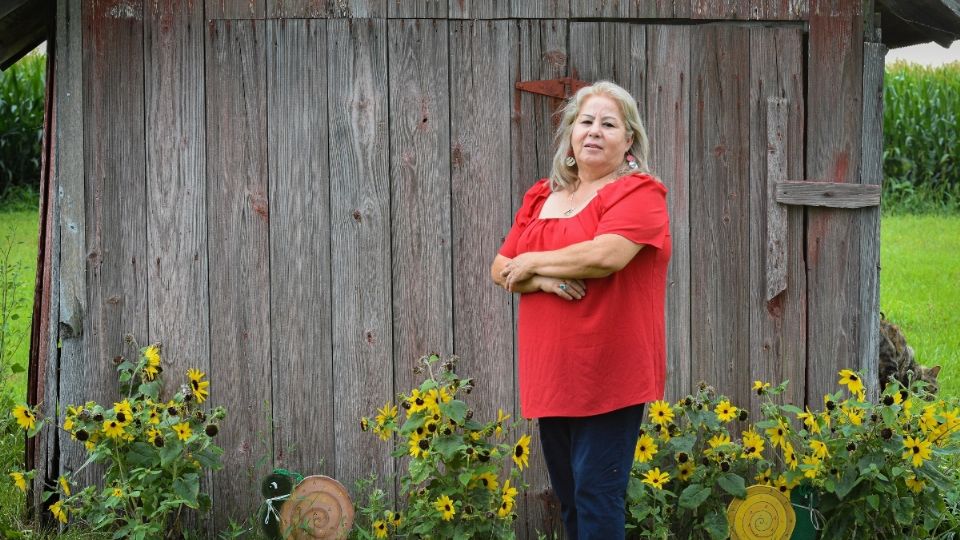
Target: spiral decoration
(319, 507)
(766, 514)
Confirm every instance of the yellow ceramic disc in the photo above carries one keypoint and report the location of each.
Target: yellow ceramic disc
(766, 514)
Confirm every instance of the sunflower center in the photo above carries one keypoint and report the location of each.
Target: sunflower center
(518, 451)
(916, 449)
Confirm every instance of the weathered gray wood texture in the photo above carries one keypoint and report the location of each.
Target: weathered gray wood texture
(239, 257)
(304, 205)
(828, 194)
(833, 128)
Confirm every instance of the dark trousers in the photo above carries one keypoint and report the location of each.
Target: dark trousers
(589, 461)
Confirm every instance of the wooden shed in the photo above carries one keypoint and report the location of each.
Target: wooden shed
(301, 197)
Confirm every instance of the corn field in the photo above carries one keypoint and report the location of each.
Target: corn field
(21, 123)
(921, 159)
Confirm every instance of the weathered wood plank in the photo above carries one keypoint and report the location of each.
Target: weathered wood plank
(238, 241)
(719, 9)
(360, 242)
(834, 123)
(828, 194)
(235, 9)
(615, 9)
(584, 52)
(542, 55)
(420, 173)
(668, 121)
(176, 191)
(480, 97)
(116, 206)
(333, 9)
(300, 293)
(871, 173)
(58, 452)
(777, 334)
(776, 214)
(719, 251)
(610, 51)
(479, 9)
(176, 187)
(540, 9)
(420, 9)
(666, 9)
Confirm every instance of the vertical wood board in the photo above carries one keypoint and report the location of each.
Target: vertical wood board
(300, 293)
(67, 171)
(420, 194)
(668, 121)
(333, 9)
(719, 199)
(542, 54)
(834, 123)
(480, 9)
(777, 332)
(540, 9)
(417, 9)
(115, 199)
(871, 173)
(235, 9)
(360, 243)
(238, 240)
(176, 188)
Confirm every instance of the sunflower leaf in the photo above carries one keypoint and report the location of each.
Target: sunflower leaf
(682, 444)
(456, 410)
(465, 477)
(150, 389)
(733, 484)
(141, 454)
(170, 451)
(188, 488)
(716, 525)
(693, 496)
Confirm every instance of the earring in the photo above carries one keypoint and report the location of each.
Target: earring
(632, 162)
(570, 161)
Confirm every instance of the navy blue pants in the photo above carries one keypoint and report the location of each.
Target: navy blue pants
(589, 461)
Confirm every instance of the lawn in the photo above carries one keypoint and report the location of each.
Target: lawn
(18, 233)
(920, 288)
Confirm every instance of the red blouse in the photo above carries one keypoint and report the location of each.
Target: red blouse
(607, 350)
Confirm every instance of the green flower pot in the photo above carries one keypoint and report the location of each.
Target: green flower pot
(803, 499)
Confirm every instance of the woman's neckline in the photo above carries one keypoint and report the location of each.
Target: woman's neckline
(585, 205)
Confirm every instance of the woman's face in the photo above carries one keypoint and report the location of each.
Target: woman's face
(599, 137)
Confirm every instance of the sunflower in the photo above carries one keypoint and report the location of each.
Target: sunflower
(917, 450)
(789, 456)
(506, 506)
(645, 449)
(489, 481)
(914, 484)
(809, 420)
(501, 418)
(419, 446)
(444, 505)
(152, 354)
(380, 528)
(123, 412)
(655, 478)
(854, 415)
(509, 492)
(64, 485)
(725, 411)
(778, 433)
(416, 402)
(113, 429)
(928, 420)
(386, 414)
(117, 493)
(760, 387)
(685, 470)
(183, 430)
(752, 445)
(783, 486)
(852, 381)
(19, 480)
(661, 413)
(811, 466)
(819, 449)
(764, 477)
(521, 452)
(395, 518)
(59, 511)
(199, 386)
(24, 416)
(718, 440)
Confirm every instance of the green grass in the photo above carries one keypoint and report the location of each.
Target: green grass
(18, 232)
(920, 288)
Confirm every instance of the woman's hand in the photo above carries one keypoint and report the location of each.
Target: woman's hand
(518, 269)
(568, 289)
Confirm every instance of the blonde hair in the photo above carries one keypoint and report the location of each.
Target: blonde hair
(562, 176)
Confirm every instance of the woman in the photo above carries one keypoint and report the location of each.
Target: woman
(588, 252)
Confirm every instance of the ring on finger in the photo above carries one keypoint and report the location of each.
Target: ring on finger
(563, 286)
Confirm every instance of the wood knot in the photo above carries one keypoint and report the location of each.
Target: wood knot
(357, 216)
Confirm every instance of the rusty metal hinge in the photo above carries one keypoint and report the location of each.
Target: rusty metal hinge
(555, 88)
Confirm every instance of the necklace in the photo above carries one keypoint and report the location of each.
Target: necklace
(573, 207)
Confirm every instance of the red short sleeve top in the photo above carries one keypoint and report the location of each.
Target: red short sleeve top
(608, 350)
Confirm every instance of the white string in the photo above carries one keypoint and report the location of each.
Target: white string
(816, 518)
(271, 510)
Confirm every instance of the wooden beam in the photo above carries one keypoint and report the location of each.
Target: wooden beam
(828, 194)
